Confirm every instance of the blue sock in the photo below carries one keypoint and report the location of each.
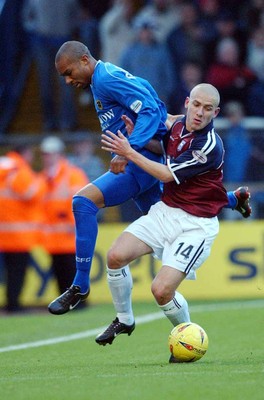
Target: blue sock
(84, 211)
(232, 200)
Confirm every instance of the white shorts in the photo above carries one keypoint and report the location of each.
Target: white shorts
(181, 240)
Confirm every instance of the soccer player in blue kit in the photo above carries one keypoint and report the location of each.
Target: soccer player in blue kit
(116, 93)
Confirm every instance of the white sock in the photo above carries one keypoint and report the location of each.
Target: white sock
(177, 310)
(120, 283)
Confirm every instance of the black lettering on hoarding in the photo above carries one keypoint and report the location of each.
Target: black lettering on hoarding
(249, 269)
(44, 275)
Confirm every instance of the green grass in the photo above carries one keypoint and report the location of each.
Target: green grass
(134, 367)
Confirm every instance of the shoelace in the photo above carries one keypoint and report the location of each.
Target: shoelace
(67, 296)
(114, 324)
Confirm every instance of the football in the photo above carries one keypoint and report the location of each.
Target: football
(188, 342)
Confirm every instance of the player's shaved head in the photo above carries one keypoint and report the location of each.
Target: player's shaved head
(73, 50)
(208, 90)
(202, 106)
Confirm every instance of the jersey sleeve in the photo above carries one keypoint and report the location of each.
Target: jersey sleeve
(204, 154)
(130, 92)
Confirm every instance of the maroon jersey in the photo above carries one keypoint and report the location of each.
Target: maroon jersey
(195, 160)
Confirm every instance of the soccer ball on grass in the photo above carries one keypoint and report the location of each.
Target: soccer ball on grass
(188, 342)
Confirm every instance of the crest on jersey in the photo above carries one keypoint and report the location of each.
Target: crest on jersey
(136, 106)
(199, 156)
(99, 104)
(182, 143)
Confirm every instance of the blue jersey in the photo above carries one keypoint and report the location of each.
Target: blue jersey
(117, 92)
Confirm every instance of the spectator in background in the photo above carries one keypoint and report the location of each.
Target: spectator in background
(237, 144)
(255, 52)
(231, 78)
(191, 74)
(145, 57)
(244, 158)
(84, 157)
(256, 162)
(209, 11)
(21, 191)
(252, 14)
(88, 33)
(217, 22)
(256, 172)
(167, 14)
(255, 61)
(228, 26)
(116, 29)
(88, 27)
(185, 41)
(62, 180)
(96, 8)
(49, 23)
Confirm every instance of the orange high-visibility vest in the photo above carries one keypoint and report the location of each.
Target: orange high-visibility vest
(59, 227)
(21, 217)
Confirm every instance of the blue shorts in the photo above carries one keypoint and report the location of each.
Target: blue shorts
(134, 184)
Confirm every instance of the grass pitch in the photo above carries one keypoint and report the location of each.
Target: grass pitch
(47, 357)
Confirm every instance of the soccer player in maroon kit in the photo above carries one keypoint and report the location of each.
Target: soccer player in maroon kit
(179, 229)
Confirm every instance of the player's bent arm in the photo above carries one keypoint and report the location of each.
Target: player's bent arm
(120, 145)
(155, 146)
(171, 119)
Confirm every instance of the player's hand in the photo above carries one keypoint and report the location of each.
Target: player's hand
(129, 124)
(118, 164)
(117, 144)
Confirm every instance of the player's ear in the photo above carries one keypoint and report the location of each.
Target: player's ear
(84, 59)
(187, 100)
(217, 111)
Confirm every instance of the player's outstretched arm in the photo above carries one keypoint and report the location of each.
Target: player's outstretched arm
(153, 145)
(118, 144)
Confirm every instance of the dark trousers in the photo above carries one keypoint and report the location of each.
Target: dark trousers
(63, 266)
(15, 270)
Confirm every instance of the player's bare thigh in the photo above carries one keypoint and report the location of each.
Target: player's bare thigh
(165, 283)
(92, 192)
(125, 249)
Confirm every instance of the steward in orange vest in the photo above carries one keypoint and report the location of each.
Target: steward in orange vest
(63, 180)
(21, 191)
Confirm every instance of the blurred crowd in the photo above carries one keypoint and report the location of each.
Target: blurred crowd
(172, 43)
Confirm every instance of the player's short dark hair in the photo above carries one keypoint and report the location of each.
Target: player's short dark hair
(73, 50)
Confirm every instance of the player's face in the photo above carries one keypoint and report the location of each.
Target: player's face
(76, 73)
(201, 109)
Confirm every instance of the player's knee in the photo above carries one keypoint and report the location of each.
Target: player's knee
(93, 194)
(115, 259)
(77, 202)
(161, 292)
